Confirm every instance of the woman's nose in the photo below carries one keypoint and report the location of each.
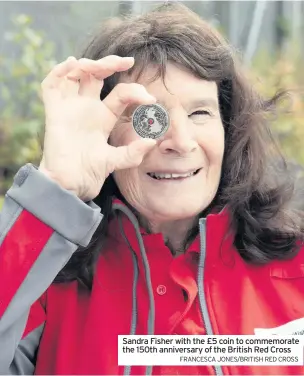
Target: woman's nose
(179, 138)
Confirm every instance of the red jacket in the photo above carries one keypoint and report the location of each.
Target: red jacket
(70, 330)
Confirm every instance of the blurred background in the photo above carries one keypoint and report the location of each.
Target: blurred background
(268, 35)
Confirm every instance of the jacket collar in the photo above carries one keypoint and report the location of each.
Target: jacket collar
(217, 234)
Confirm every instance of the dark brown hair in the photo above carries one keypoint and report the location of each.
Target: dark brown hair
(255, 184)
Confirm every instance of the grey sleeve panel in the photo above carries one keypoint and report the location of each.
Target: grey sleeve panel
(55, 206)
(8, 216)
(54, 256)
(25, 355)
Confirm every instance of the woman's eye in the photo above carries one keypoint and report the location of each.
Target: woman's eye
(201, 112)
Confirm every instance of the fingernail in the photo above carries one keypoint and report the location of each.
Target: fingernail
(150, 142)
(152, 98)
(71, 58)
(129, 59)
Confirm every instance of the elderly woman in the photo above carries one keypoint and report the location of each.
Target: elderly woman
(188, 233)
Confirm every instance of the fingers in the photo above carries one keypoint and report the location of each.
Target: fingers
(104, 67)
(84, 76)
(68, 87)
(58, 72)
(87, 85)
(90, 86)
(124, 94)
(131, 155)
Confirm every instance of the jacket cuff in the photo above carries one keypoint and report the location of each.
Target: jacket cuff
(60, 209)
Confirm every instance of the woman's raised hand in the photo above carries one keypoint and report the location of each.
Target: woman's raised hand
(78, 124)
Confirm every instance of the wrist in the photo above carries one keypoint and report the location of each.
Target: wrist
(57, 179)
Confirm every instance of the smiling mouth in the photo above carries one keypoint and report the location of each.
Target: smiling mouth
(172, 176)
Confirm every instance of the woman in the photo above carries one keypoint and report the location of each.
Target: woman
(114, 234)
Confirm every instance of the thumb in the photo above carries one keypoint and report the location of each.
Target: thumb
(132, 155)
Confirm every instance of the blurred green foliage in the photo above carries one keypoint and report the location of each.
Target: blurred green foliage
(284, 72)
(22, 114)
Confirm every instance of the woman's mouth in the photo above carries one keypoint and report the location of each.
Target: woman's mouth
(172, 175)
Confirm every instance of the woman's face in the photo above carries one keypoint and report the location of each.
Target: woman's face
(193, 145)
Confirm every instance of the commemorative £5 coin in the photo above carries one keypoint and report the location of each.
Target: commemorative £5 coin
(150, 121)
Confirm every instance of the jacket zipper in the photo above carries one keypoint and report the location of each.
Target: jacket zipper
(200, 282)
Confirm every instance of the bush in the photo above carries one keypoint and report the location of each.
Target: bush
(285, 73)
(22, 114)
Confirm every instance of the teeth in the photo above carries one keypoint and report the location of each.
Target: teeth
(170, 176)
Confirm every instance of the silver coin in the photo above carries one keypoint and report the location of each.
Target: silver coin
(150, 121)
